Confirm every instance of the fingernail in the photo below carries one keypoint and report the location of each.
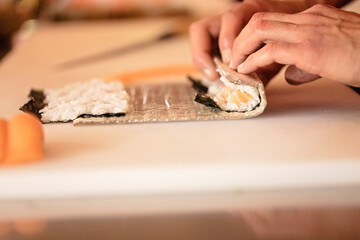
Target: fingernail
(226, 56)
(207, 73)
(232, 65)
(240, 67)
(235, 65)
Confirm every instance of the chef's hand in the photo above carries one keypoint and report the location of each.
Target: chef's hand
(322, 40)
(218, 33)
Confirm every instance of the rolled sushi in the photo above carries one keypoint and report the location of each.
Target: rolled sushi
(232, 92)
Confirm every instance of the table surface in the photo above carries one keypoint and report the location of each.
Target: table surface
(307, 137)
(251, 224)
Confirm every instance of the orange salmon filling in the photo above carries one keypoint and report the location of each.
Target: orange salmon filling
(235, 96)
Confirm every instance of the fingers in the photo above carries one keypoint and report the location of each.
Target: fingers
(275, 52)
(279, 17)
(290, 39)
(296, 76)
(330, 12)
(231, 26)
(308, 18)
(258, 32)
(316, 41)
(232, 22)
(202, 34)
(279, 53)
(284, 36)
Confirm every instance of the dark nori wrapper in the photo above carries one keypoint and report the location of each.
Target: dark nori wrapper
(206, 100)
(201, 96)
(197, 85)
(102, 115)
(35, 104)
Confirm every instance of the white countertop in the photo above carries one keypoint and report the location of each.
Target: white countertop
(307, 137)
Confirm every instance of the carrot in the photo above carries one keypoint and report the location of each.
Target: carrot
(29, 227)
(155, 72)
(3, 139)
(25, 140)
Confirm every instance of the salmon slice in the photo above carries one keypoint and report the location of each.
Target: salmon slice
(235, 96)
(248, 95)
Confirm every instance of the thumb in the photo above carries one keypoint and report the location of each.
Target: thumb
(296, 76)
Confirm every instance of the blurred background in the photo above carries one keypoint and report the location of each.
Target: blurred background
(15, 13)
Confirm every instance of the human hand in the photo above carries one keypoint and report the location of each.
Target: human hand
(322, 40)
(218, 33)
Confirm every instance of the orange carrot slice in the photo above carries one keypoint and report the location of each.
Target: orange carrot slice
(25, 140)
(3, 139)
(155, 72)
(29, 227)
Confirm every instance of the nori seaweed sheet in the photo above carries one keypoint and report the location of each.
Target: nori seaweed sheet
(201, 96)
(197, 85)
(206, 100)
(37, 102)
(102, 115)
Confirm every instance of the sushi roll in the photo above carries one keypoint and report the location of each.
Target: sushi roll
(232, 92)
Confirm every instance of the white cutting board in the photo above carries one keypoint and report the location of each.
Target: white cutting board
(308, 136)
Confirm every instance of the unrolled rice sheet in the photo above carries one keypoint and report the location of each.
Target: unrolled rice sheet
(141, 103)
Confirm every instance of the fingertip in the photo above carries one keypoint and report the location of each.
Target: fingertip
(205, 64)
(240, 68)
(245, 68)
(226, 55)
(236, 62)
(210, 74)
(233, 65)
